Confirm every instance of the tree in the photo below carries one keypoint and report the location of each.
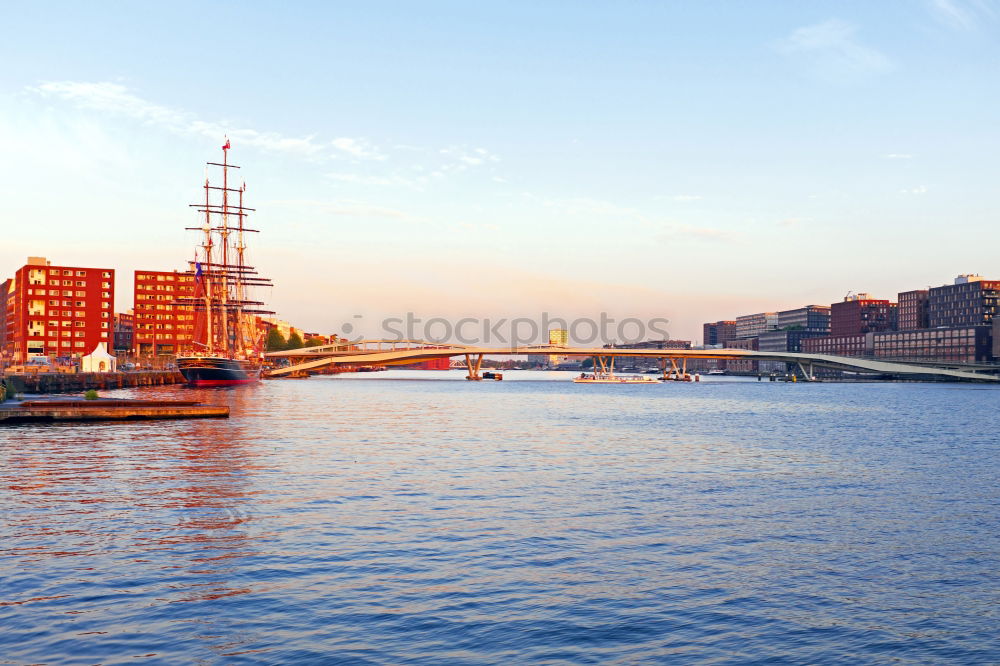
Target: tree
(294, 341)
(315, 342)
(275, 340)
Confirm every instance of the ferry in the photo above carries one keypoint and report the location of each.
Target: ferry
(611, 378)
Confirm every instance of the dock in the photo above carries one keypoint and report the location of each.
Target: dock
(106, 410)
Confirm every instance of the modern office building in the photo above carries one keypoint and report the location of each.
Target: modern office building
(57, 311)
(814, 318)
(750, 326)
(969, 301)
(161, 326)
(859, 314)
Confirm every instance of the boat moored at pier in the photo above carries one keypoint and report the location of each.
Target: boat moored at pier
(228, 344)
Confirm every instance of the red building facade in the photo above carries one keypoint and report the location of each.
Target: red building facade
(57, 311)
(160, 327)
(856, 315)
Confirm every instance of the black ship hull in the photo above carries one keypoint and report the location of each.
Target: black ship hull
(217, 371)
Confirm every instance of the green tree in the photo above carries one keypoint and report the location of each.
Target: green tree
(315, 342)
(275, 340)
(295, 341)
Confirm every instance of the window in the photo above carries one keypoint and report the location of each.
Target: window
(106, 285)
(80, 304)
(81, 294)
(78, 343)
(104, 294)
(81, 283)
(67, 293)
(81, 313)
(81, 273)
(53, 302)
(78, 324)
(67, 272)
(66, 334)
(79, 334)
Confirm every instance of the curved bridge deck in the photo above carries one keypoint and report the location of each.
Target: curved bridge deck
(404, 352)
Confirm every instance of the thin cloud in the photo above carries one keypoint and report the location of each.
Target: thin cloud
(920, 189)
(687, 197)
(965, 16)
(117, 99)
(898, 156)
(357, 148)
(832, 49)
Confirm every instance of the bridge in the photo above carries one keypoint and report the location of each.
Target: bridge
(671, 361)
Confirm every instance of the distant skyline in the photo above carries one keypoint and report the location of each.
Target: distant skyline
(692, 161)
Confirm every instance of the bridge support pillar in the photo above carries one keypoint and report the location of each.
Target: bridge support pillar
(473, 367)
(806, 374)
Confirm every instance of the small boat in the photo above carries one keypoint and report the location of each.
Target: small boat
(716, 371)
(611, 378)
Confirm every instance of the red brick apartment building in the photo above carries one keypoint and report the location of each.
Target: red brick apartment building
(56, 311)
(860, 314)
(159, 326)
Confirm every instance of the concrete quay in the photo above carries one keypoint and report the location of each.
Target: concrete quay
(78, 382)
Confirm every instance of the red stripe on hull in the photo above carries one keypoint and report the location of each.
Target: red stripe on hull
(221, 382)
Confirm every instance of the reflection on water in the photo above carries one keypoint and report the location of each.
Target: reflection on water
(380, 521)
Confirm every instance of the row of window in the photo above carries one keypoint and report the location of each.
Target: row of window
(146, 277)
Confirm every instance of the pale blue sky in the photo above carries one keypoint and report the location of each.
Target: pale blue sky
(692, 160)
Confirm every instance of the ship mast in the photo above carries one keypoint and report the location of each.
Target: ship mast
(221, 303)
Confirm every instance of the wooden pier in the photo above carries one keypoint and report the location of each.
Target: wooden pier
(106, 410)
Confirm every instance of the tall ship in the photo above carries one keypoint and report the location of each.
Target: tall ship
(227, 342)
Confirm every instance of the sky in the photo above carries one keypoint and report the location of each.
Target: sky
(690, 161)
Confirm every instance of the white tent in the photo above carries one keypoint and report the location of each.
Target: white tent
(98, 360)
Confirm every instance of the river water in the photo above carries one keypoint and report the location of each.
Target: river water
(416, 518)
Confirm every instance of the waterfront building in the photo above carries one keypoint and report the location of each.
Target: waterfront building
(286, 329)
(860, 313)
(160, 325)
(957, 344)
(750, 326)
(124, 329)
(741, 365)
(57, 311)
(838, 345)
(913, 310)
(969, 301)
(815, 318)
(719, 332)
(6, 289)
